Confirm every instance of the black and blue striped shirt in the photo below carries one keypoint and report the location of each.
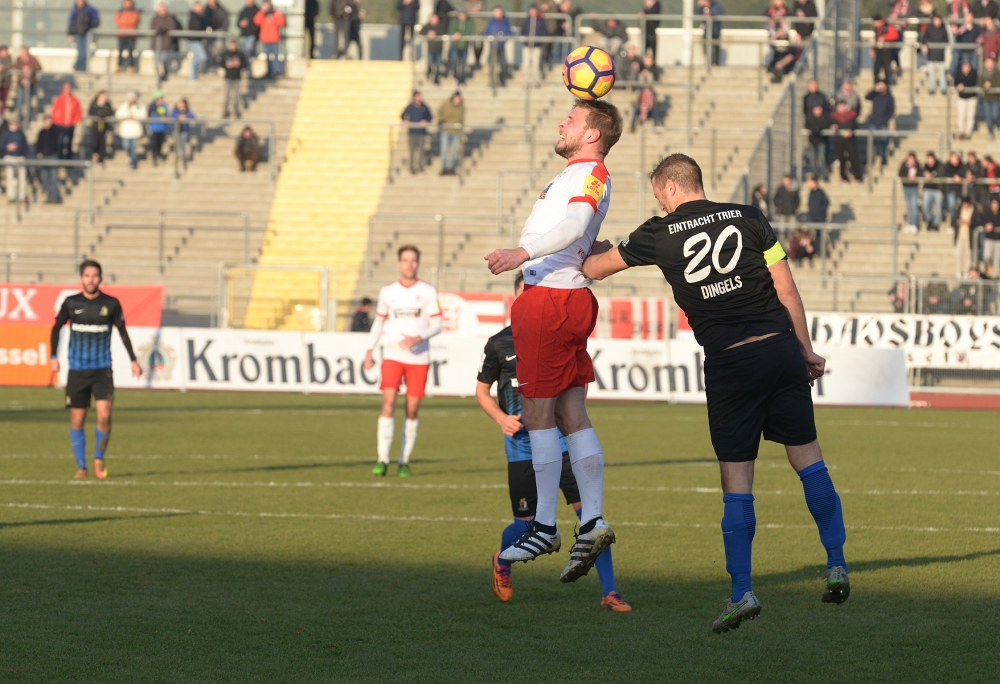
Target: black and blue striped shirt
(90, 322)
(499, 365)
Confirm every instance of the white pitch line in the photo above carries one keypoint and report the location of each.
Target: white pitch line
(343, 458)
(448, 519)
(441, 486)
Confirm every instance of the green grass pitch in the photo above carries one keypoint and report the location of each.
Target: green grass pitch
(242, 538)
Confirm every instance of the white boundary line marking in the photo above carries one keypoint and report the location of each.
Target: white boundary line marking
(441, 486)
(448, 519)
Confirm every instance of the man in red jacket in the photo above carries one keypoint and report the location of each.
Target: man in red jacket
(885, 33)
(270, 21)
(66, 114)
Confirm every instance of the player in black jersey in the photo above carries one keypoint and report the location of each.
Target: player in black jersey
(731, 277)
(91, 315)
(499, 365)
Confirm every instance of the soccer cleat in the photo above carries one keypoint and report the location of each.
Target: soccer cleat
(586, 550)
(380, 468)
(404, 469)
(99, 470)
(838, 587)
(615, 603)
(733, 616)
(531, 545)
(501, 580)
(81, 474)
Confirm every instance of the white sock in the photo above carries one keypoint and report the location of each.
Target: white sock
(587, 459)
(386, 426)
(546, 460)
(409, 438)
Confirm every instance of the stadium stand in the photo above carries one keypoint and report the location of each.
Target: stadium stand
(508, 157)
(212, 212)
(343, 200)
(330, 184)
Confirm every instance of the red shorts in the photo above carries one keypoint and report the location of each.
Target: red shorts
(551, 328)
(393, 373)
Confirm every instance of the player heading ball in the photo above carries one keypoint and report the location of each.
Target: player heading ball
(551, 322)
(730, 275)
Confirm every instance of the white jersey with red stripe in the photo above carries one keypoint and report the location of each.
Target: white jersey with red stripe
(583, 180)
(407, 312)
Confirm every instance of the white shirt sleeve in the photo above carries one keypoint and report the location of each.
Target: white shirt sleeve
(381, 314)
(564, 233)
(435, 320)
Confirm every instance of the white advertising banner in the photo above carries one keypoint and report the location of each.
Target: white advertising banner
(272, 361)
(929, 341)
(156, 348)
(674, 371)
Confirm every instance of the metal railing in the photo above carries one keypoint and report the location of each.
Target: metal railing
(873, 293)
(202, 130)
(945, 183)
(870, 135)
(777, 147)
(36, 21)
(161, 225)
(192, 286)
(239, 288)
(34, 163)
(439, 228)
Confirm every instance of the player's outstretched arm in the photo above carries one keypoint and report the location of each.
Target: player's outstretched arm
(562, 235)
(604, 260)
(789, 297)
(510, 425)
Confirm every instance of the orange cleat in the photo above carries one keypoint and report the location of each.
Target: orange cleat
(615, 603)
(81, 474)
(501, 580)
(99, 470)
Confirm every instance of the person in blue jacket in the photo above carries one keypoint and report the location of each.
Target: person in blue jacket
(82, 19)
(498, 28)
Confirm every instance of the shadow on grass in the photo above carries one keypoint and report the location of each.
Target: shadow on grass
(673, 462)
(58, 411)
(165, 618)
(295, 467)
(857, 567)
(83, 521)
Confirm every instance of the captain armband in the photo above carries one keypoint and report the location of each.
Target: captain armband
(774, 254)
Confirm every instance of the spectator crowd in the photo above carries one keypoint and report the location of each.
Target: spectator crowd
(258, 27)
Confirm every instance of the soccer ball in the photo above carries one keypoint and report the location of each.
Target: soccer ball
(589, 73)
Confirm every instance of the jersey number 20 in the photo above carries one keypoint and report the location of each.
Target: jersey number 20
(691, 247)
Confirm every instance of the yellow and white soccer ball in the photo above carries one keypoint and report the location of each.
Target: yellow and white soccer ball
(589, 73)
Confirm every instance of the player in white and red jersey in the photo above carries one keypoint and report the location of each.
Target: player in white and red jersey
(406, 317)
(551, 322)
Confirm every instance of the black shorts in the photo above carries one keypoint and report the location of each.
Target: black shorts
(81, 384)
(524, 496)
(760, 387)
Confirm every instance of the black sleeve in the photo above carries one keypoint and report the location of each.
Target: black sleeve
(639, 248)
(489, 368)
(120, 324)
(767, 239)
(61, 319)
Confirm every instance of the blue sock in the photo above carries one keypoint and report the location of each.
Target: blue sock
(511, 534)
(102, 443)
(739, 523)
(824, 504)
(79, 441)
(605, 567)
